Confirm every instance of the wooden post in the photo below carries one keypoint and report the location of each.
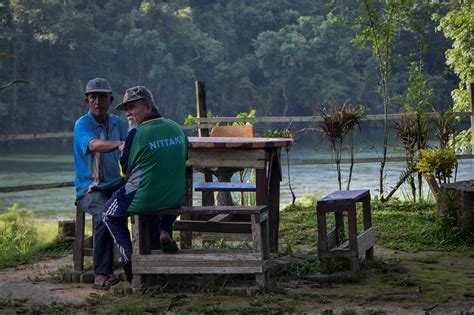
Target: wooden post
(78, 252)
(470, 87)
(201, 111)
(201, 106)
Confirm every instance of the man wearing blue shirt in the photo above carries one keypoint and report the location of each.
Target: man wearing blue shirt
(98, 140)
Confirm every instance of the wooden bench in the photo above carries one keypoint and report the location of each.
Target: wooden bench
(199, 261)
(333, 244)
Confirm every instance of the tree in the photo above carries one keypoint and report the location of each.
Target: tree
(457, 25)
(378, 28)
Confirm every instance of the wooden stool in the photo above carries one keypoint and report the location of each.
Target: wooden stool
(82, 247)
(204, 261)
(330, 244)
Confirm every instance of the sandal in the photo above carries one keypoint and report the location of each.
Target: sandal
(113, 280)
(105, 285)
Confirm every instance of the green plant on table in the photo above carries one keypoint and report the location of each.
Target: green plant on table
(190, 120)
(250, 114)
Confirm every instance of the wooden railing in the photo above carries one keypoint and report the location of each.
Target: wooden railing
(206, 123)
(10, 189)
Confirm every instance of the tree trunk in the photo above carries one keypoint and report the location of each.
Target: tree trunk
(458, 198)
(434, 186)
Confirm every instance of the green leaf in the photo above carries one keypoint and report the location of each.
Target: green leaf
(190, 120)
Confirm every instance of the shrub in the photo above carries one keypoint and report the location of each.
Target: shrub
(17, 234)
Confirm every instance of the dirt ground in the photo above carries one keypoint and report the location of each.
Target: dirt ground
(397, 283)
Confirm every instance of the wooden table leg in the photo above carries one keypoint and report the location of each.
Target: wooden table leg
(353, 244)
(262, 198)
(274, 179)
(367, 211)
(186, 238)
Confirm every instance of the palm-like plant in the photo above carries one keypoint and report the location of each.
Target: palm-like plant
(412, 131)
(445, 129)
(335, 126)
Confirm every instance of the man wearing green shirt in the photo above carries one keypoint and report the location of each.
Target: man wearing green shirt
(154, 164)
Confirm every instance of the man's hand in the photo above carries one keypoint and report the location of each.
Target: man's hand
(121, 146)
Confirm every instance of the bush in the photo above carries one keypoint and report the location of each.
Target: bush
(17, 234)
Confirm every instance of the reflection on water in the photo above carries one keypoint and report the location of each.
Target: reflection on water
(305, 179)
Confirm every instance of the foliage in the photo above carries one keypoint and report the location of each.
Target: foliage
(457, 25)
(418, 96)
(335, 126)
(17, 234)
(250, 114)
(446, 129)
(439, 163)
(19, 241)
(463, 141)
(378, 28)
(412, 131)
(413, 226)
(190, 119)
(278, 57)
(278, 133)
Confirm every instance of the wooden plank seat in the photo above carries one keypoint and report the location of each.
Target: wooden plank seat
(204, 261)
(333, 243)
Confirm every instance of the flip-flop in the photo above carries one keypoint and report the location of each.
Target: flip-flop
(169, 247)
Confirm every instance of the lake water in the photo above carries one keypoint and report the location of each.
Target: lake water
(23, 169)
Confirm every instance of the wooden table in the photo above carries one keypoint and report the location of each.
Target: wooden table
(262, 154)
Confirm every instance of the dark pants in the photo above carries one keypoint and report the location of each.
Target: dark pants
(103, 252)
(115, 218)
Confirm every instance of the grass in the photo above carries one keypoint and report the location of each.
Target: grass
(22, 239)
(413, 226)
(402, 225)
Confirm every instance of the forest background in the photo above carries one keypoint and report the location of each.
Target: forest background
(279, 57)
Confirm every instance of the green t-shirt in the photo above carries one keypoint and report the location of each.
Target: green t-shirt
(157, 163)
